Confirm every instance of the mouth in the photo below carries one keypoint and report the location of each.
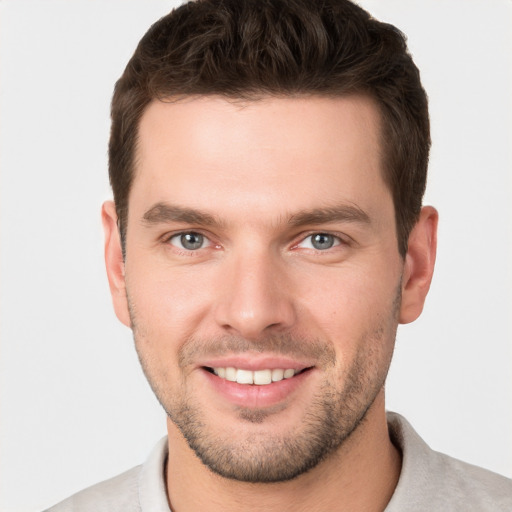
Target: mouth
(262, 377)
(256, 383)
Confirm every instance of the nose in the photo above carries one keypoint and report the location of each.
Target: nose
(254, 296)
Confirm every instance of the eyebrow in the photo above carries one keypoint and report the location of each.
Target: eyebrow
(342, 213)
(161, 213)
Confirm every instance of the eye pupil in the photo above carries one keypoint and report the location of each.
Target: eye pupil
(191, 241)
(322, 241)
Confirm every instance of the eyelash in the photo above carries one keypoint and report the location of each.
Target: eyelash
(339, 240)
(168, 240)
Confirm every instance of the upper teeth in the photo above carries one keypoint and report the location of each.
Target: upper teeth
(259, 377)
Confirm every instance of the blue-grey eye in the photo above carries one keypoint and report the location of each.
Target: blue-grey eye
(320, 241)
(189, 241)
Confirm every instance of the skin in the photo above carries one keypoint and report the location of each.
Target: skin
(258, 290)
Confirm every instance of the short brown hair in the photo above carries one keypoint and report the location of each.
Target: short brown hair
(253, 48)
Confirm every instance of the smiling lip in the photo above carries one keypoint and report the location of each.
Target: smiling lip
(247, 393)
(254, 362)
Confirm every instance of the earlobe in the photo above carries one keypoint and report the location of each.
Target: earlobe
(419, 265)
(114, 262)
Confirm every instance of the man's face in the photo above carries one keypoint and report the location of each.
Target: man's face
(261, 246)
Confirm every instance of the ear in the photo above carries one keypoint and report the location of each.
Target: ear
(114, 262)
(419, 265)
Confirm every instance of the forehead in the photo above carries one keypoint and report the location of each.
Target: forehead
(292, 151)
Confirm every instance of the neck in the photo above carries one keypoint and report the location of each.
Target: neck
(361, 475)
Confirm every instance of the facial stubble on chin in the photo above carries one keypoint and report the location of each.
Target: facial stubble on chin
(333, 414)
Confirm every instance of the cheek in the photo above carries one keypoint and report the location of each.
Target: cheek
(166, 302)
(357, 313)
(346, 300)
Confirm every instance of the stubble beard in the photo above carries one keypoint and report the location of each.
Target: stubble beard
(335, 412)
(265, 458)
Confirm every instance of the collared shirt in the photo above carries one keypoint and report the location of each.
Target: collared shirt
(429, 481)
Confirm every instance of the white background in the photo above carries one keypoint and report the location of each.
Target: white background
(75, 407)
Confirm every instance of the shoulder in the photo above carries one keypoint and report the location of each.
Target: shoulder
(482, 489)
(433, 481)
(141, 489)
(116, 494)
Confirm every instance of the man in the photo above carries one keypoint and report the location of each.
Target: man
(268, 162)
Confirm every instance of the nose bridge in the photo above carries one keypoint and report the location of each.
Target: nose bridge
(255, 296)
